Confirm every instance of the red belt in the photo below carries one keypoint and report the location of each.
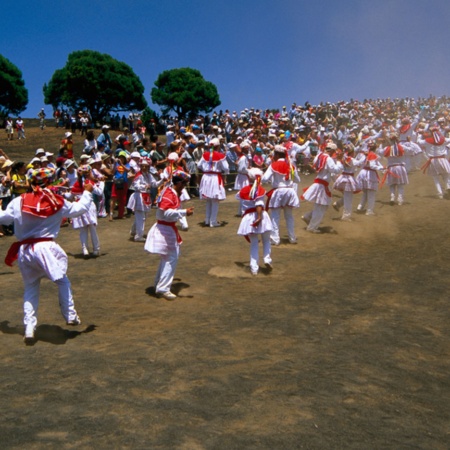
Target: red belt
(323, 183)
(13, 252)
(174, 227)
(219, 176)
(427, 164)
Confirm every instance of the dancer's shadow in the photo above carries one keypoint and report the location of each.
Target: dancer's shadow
(176, 289)
(52, 334)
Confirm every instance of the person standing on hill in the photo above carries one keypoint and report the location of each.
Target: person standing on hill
(20, 127)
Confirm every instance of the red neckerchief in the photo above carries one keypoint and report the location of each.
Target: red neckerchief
(394, 150)
(405, 128)
(435, 138)
(169, 200)
(320, 162)
(41, 202)
(216, 156)
(281, 167)
(244, 193)
(78, 189)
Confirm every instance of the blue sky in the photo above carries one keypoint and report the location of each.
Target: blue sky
(261, 54)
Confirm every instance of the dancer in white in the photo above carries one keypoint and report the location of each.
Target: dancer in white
(214, 165)
(242, 166)
(255, 223)
(396, 174)
(37, 218)
(319, 192)
(437, 165)
(174, 159)
(369, 180)
(163, 238)
(87, 222)
(347, 184)
(283, 197)
(140, 201)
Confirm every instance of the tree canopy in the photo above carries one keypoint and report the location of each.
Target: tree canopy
(95, 82)
(13, 93)
(185, 92)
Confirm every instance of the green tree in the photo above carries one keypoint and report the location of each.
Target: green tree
(13, 93)
(96, 82)
(185, 92)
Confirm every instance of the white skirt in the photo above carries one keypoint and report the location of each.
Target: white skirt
(397, 175)
(210, 187)
(161, 239)
(284, 196)
(88, 218)
(368, 179)
(317, 193)
(346, 183)
(246, 227)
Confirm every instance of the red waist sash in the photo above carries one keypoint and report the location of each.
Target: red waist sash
(13, 252)
(174, 227)
(323, 183)
(219, 176)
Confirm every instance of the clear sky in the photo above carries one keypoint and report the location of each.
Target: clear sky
(259, 53)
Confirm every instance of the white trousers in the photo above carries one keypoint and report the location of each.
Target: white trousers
(166, 271)
(368, 196)
(275, 214)
(397, 190)
(347, 202)
(315, 216)
(437, 183)
(254, 250)
(31, 301)
(212, 209)
(138, 227)
(84, 237)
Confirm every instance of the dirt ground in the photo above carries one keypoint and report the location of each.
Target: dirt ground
(344, 345)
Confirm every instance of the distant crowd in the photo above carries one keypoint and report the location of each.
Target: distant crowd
(246, 138)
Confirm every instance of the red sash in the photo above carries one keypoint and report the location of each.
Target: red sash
(174, 227)
(323, 183)
(146, 199)
(248, 211)
(269, 196)
(219, 176)
(13, 252)
(424, 168)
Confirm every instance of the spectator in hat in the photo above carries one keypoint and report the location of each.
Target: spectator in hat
(120, 185)
(105, 139)
(19, 180)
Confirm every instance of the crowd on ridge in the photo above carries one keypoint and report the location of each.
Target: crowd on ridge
(350, 147)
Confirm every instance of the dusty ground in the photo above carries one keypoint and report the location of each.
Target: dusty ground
(345, 345)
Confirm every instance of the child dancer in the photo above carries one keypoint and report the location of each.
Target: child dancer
(87, 223)
(140, 201)
(256, 221)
